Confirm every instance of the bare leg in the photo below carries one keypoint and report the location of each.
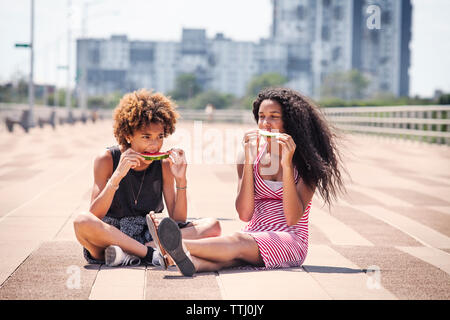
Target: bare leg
(201, 228)
(197, 229)
(95, 236)
(226, 249)
(202, 265)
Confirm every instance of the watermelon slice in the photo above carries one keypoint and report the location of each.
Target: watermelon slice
(268, 133)
(155, 156)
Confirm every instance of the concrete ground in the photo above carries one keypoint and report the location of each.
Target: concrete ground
(387, 238)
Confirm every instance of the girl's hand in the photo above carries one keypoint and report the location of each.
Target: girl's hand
(178, 164)
(251, 143)
(287, 149)
(130, 159)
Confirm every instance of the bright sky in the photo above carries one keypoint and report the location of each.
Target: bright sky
(163, 20)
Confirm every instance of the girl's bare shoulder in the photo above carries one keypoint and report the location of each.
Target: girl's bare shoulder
(103, 161)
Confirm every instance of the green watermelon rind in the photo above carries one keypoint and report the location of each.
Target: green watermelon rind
(268, 134)
(155, 157)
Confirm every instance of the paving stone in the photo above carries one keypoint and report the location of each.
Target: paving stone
(170, 284)
(56, 270)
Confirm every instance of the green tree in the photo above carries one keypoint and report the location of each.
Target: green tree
(257, 83)
(61, 97)
(186, 87)
(344, 85)
(264, 80)
(113, 99)
(217, 99)
(444, 99)
(108, 101)
(5, 93)
(95, 102)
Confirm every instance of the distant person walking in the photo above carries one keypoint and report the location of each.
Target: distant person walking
(127, 186)
(209, 111)
(290, 156)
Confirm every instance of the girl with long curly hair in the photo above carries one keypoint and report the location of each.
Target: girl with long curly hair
(127, 187)
(285, 161)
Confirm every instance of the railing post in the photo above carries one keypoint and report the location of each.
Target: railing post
(402, 124)
(429, 126)
(417, 115)
(394, 124)
(439, 127)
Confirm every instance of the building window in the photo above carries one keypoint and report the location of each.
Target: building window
(301, 12)
(386, 17)
(94, 56)
(374, 37)
(384, 86)
(325, 33)
(336, 53)
(337, 12)
(384, 60)
(141, 55)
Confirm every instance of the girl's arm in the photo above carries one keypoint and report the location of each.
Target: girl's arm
(295, 197)
(176, 200)
(102, 191)
(106, 182)
(245, 200)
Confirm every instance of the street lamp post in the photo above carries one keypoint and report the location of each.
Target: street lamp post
(30, 120)
(69, 39)
(30, 83)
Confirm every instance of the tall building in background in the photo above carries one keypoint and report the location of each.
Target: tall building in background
(220, 64)
(117, 64)
(310, 40)
(294, 25)
(371, 36)
(384, 54)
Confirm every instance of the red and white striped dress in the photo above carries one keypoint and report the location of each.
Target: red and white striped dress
(280, 245)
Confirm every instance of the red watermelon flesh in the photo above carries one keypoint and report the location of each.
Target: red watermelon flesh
(155, 156)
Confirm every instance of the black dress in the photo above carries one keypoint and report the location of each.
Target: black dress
(150, 197)
(127, 213)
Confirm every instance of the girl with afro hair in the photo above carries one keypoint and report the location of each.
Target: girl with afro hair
(127, 187)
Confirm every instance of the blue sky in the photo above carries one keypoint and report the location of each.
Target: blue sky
(243, 20)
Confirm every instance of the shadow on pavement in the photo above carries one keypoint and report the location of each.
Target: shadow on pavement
(327, 269)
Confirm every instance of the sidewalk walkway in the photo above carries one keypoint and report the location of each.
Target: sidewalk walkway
(388, 238)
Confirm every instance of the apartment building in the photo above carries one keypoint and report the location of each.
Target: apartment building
(310, 40)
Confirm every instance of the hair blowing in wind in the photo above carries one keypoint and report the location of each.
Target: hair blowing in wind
(316, 155)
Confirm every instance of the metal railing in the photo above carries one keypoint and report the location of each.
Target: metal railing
(221, 115)
(421, 123)
(41, 114)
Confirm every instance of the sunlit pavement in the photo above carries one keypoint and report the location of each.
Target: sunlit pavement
(387, 238)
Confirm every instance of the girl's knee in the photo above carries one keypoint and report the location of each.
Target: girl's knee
(214, 228)
(237, 237)
(248, 248)
(243, 240)
(208, 227)
(84, 222)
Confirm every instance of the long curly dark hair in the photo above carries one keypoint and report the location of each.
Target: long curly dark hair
(316, 156)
